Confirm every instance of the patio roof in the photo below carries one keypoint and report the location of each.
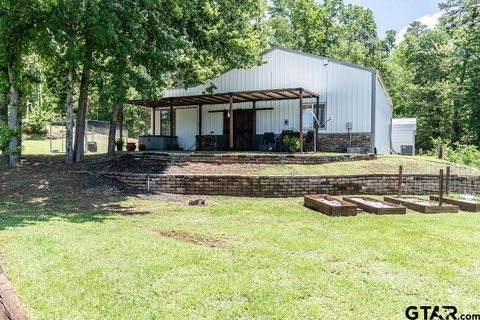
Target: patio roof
(229, 97)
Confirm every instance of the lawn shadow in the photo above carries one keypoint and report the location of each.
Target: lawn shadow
(43, 188)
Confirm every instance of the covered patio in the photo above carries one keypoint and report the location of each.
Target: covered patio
(232, 129)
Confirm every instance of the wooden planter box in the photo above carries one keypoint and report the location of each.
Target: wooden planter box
(392, 208)
(423, 208)
(345, 209)
(463, 205)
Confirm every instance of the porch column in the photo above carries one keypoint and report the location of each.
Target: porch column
(254, 124)
(200, 127)
(317, 124)
(301, 119)
(171, 127)
(231, 122)
(154, 121)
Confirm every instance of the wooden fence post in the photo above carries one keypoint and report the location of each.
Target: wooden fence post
(400, 178)
(440, 196)
(447, 181)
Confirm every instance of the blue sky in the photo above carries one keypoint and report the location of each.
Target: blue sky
(397, 14)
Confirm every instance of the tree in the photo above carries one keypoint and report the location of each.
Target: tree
(461, 21)
(331, 29)
(3, 111)
(19, 22)
(60, 44)
(416, 28)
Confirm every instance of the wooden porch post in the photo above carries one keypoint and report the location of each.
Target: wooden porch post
(171, 127)
(121, 123)
(154, 121)
(200, 127)
(301, 120)
(317, 124)
(254, 124)
(231, 122)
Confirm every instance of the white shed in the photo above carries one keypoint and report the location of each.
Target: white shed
(403, 135)
(352, 106)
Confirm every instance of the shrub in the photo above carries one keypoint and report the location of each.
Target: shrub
(458, 153)
(292, 143)
(36, 123)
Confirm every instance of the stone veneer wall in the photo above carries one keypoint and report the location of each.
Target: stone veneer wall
(339, 142)
(226, 158)
(293, 186)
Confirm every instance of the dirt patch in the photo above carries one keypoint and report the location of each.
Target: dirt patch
(131, 164)
(191, 238)
(10, 308)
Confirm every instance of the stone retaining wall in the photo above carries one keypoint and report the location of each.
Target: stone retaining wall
(339, 142)
(293, 186)
(252, 158)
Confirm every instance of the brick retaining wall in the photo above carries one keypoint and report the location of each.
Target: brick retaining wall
(226, 158)
(293, 186)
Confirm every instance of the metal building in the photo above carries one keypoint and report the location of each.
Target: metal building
(403, 135)
(346, 104)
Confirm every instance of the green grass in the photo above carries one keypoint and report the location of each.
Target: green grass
(280, 260)
(383, 165)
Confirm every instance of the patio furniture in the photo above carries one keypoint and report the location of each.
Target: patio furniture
(269, 144)
(309, 142)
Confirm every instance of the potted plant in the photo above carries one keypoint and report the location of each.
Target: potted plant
(119, 143)
(292, 143)
(131, 146)
(141, 147)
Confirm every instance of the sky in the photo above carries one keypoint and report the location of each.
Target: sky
(398, 14)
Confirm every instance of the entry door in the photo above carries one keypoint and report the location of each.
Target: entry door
(242, 129)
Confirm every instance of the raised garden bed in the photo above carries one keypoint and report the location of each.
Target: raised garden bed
(375, 206)
(329, 205)
(463, 204)
(422, 205)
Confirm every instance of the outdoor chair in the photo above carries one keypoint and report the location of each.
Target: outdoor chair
(309, 141)
(268, 142)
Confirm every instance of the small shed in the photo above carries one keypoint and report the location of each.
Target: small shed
(403, 135)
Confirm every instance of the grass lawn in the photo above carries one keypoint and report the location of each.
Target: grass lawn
(74, 250)
(384, 164)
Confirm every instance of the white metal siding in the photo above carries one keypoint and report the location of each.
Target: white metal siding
(346, 90)
(383, 119)
(403, 134)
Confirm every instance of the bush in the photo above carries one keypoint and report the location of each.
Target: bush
(36, 124)
(291, 142)
(458, 153)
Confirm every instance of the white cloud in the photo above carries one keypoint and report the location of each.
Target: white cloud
(430, 20)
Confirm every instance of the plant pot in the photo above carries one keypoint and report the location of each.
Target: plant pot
(131, 146)
(119, 148)
(141, 147)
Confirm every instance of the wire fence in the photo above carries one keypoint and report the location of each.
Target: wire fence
(432, 177)
(96, 136)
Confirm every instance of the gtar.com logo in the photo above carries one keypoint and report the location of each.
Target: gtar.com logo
(431, 313)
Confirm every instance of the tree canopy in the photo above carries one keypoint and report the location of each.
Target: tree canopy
(83, 59)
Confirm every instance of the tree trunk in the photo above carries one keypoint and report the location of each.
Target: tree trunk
(81, 116)
(3, 116)
(69, 127)
(113, 130)
(456, 102)
(14, 147)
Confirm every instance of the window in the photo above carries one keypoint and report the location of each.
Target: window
(308, 116)
(165, 122)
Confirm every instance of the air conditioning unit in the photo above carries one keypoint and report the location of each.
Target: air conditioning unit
(407, 150)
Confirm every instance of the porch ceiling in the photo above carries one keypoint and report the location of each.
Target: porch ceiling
(224, 98)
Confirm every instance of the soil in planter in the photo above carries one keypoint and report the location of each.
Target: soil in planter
(329, 205)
